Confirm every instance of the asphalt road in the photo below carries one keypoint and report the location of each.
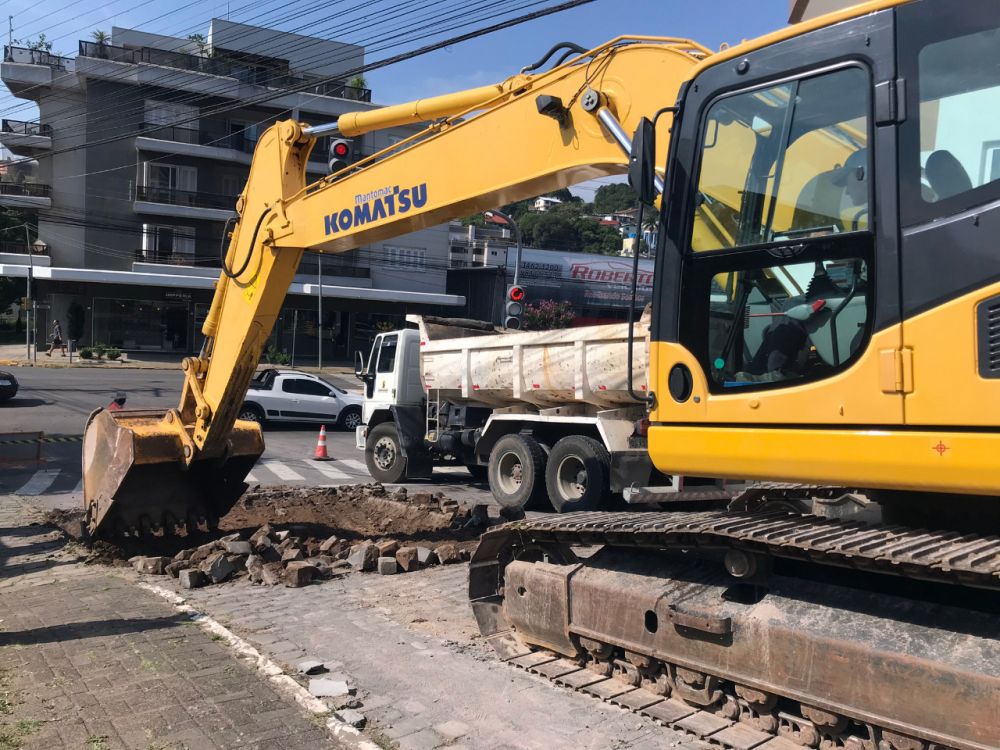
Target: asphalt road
(57, 402)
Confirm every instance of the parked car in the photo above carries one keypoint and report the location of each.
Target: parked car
(8, 387)
(292, 396)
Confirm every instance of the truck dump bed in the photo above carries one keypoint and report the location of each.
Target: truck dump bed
(461, 363)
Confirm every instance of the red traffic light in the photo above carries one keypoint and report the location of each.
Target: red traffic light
(515, 293)
(340, 149)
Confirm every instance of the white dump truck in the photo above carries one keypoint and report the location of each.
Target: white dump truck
(540, 415)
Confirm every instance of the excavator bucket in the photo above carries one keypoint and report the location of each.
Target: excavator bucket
(136, 482)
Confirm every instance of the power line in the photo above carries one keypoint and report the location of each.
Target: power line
(355, 71)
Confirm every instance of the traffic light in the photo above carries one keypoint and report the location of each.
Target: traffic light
(340, 154)
(513, 307)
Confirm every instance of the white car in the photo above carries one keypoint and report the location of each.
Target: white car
(293, 396)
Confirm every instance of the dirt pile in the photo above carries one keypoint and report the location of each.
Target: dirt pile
(296, 535)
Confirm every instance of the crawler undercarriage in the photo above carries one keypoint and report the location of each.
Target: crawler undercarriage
(768, 629)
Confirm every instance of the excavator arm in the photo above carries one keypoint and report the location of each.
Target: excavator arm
(149, 472)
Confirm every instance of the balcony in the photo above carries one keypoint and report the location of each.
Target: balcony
(165, 258)
(25, 195)
(163, 201)
(17, 253)
(36, 57)
(25, 138)
(206, 142)
(279, 78)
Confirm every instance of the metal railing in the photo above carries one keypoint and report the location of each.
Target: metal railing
(36, 57)
(21, 127)
(245, 72)
(205, 136)
(190, 198)
(19, 248)
(30, 189)
(165, 258)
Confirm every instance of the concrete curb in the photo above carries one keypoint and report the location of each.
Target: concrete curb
(338, 730)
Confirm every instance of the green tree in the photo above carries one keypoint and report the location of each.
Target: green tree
(102, 38)
(38, 43)
(614, 197)
(602, 240)
(358, 82)
(201, 43)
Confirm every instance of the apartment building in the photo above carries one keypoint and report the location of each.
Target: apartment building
(142, 145)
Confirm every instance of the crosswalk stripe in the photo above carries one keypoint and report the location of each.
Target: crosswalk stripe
(251, 477)
(329, 471)
(39, 482)
(280, 470)
(350, 463)
(79, 486)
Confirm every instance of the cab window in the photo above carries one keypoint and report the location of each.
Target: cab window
(387, 354)
(785, 162)
(781, 242)
(951, 140)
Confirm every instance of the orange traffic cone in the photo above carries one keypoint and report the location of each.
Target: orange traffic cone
(321, 454)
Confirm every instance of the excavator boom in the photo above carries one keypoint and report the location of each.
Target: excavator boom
(531, 134)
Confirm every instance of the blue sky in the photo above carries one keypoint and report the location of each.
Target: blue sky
(473, 63)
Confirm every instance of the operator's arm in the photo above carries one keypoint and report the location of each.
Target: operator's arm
(509, 151)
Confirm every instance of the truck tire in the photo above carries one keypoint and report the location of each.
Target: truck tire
(517, 471)
(384, 455)
(578, 474)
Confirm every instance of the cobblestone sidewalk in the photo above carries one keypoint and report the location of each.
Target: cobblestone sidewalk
(88, 661)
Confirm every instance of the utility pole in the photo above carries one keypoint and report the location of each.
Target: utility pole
(319, 323)
(31, 274)
(10, 31)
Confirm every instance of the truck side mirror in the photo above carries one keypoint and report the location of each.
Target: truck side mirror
(642, 162)
(359, 365)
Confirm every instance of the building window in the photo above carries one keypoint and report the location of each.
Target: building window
(167, 244)
(169, 177)
(409, 258)
(141, 325)
(171, 113)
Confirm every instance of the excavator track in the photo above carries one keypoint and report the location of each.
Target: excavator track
(653, 622)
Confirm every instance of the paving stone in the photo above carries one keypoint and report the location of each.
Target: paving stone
(387, 566)
(298, 573)
(291, 554)
(352, 716)
(324, 687)
(238, 547)
(452, 730)
(426, 556)
(406, 557)
(387, 547)
(425, 739)
(192, 578)
(173, 569)
(217, 567)
(329, 544)
(151, 565)
(363, 556)
(447, 553)
(310, 666)
(262, 536)
(271, 573)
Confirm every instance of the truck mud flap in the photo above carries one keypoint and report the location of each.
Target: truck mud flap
(410, 428)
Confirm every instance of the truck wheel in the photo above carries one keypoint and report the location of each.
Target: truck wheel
(384, 455)
(517, 471)
(578, 474)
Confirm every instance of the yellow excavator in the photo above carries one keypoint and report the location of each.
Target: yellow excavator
(826, 323)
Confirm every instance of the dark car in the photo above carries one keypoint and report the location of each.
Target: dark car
(8, 386)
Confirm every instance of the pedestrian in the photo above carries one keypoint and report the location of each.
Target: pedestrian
(57, 340)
